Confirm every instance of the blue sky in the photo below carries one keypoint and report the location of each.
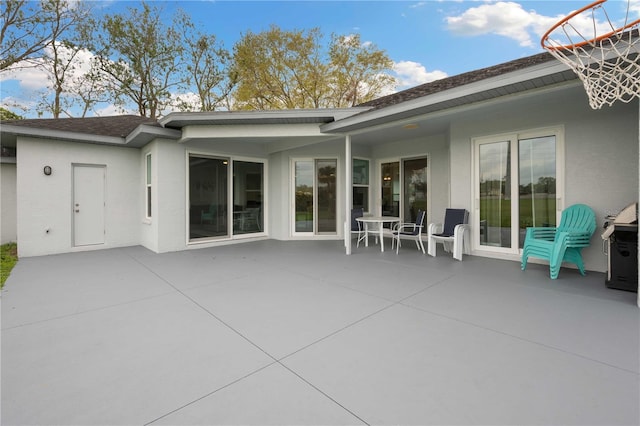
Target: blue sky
(425, 39)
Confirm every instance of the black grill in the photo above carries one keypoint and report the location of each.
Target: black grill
(621, 247)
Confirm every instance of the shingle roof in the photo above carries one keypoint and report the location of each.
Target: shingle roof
(456, 81)
(115, 126)
(121, 126)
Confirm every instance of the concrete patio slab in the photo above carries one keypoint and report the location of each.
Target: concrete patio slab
(61, 285)
(404, 366)
(124, 364)
(579, 324)
(273, 332)
(197, 268)
(288, 311)
(273, 396)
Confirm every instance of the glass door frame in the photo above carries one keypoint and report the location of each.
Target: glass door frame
(229, 196)
(376, 188)
(513, 139)
(292, 195)
(230, 234)
(264, 196)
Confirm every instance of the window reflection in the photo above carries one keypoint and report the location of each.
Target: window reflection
(207, 197)
(248, 188)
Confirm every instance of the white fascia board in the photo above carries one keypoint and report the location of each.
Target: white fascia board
(181, 119)
(62, 135)
(252, 131)
(531, 73)
(143, 134)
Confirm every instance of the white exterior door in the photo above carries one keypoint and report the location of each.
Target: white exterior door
(88, 204)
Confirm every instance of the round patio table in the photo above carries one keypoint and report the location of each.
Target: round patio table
(380, 221)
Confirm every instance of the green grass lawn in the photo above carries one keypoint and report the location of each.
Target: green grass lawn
(8, 259)
(545, 211)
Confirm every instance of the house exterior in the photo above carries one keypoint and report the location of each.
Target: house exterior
(514, 144)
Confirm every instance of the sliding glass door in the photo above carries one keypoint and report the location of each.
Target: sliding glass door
(248, 191)
(403, 187)
(225, 197)
(390, 188)
(414, 188)
(208, 197)
(304, 196)
(537, 171)
(516, 187)
(326, 204)
(315, 196)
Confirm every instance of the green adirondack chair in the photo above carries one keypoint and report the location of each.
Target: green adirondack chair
(564, 243)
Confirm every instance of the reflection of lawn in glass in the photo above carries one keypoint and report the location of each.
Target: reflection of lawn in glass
(545, 209)
(325, 221)
(322, 215)
(302, 216)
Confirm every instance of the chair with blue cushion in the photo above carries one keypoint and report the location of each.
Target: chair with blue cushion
(454, 234)
(411, 230)
(564, 243)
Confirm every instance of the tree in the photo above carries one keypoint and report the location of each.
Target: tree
(5, 114)
(60, 59)
(142, 58)
(357, 71)
(207, 66)
(279, 69)
(77, 85)
(29, 27)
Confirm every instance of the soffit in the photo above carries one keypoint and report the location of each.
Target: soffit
(519, 82)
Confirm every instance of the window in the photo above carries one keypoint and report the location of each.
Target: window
(360, 184)
(148, 186)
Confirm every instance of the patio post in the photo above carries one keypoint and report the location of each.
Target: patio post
(348, 193)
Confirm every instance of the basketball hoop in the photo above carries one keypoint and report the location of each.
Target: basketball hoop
(603, 53)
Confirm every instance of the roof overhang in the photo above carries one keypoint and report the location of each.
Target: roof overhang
(178, 120)
(540, 76)
(142, 135)
(272, 130)
(13, 130)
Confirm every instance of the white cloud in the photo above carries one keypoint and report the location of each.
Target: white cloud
(510, 19)
(410, 74)
(29, 78)
(594, 23)
(507, 19)
(33, 75)
(18, 105)
(111, 110)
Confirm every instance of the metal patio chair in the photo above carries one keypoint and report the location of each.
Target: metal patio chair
(356, 227)
(409, 231)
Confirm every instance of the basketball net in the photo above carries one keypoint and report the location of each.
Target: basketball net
(603, 53)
